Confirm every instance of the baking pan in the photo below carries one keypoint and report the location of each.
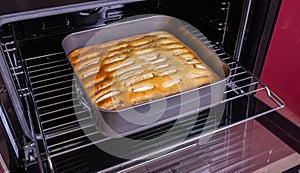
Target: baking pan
(116, 123)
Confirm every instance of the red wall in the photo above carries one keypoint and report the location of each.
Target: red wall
(282, 67)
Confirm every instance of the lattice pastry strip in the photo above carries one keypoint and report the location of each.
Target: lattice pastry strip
(138, 69)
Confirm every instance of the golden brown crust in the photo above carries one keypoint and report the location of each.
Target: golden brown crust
(138, 69)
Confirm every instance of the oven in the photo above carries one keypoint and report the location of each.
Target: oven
(46, 129)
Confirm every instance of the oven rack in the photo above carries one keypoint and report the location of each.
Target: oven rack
(15, 69)
(51, 85)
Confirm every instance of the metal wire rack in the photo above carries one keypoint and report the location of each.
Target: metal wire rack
(51, 85)
(8, 46)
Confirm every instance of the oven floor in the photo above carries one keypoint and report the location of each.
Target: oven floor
(248, 147)
(283, 158)
(266, 144)
(284, 164)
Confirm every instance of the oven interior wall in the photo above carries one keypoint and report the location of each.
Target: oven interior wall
(219, 20)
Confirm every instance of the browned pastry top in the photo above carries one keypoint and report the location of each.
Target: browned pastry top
(138, 69)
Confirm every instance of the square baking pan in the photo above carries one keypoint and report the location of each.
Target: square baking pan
(123, 122)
